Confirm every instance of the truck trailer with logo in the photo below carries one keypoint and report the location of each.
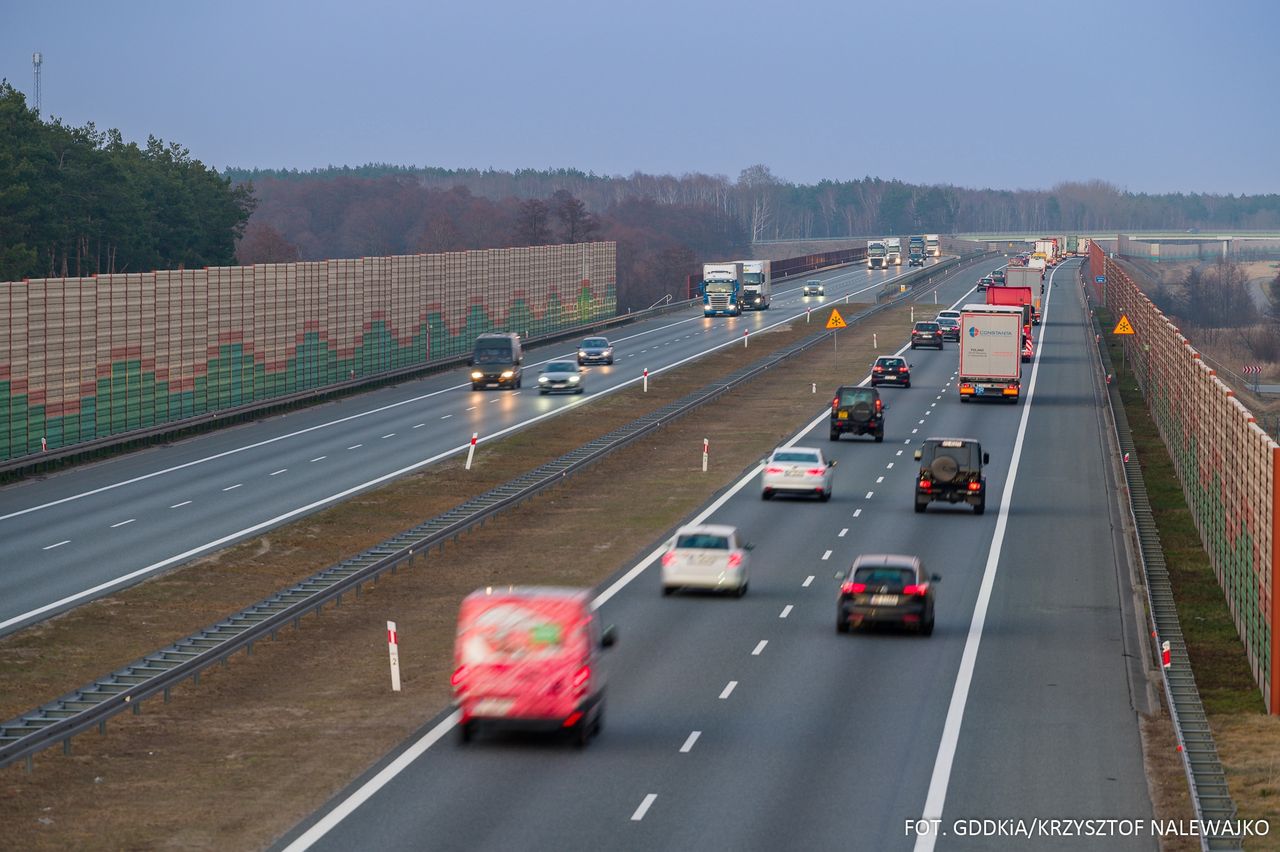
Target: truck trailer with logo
(991, 343)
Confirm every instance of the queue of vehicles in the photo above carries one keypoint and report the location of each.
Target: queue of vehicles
(530, 657)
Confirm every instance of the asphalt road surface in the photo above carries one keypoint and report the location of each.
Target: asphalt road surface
(751, 724)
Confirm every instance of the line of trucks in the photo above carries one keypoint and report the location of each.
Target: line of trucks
(884, 252)
(997, 338)
(730, 288)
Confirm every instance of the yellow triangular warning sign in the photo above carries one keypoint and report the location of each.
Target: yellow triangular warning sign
(835, 320)
(1123, 327)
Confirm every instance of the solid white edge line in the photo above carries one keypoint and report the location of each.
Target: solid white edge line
(357, 798)
(326, 823)
(644, 807)
(936, 798)
(688, 744)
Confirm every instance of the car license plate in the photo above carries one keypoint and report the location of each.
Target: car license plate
(795, 473)
(884, 600)
(493, 707)
(843, 415)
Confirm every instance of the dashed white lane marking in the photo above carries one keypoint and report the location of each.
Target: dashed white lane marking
(826, 555)
(889, 466)
(921, 423)
(278, 472)
(728, 690)
(939, 396)
(472, 408)
(759, 647)
(807, 581)
(233, 487)
(879, 479)
(869, 493)
(786, 610)
(857, 512)
(391, 435)
(516, 393)
(356, 447)
(913, 431)
(445, 417)
(68, 541)
(496, 401)
(688, 744)
(319, 458)
(842, 533)
(180, 505)
(898, 453)
(122, 523)
(644, 807)
(420, 425)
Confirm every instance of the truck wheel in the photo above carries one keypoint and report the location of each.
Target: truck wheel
(921, 506)
(466, 731)
(880, 437)
(964, 399)
(842, 625)
(980, 507)
(835, 436)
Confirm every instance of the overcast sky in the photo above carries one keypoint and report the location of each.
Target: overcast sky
(1150, 96)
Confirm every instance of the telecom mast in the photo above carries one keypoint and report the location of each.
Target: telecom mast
(36, 60)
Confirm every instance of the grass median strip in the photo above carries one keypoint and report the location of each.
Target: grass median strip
(314, 707)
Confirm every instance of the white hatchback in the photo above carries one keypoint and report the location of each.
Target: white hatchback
(797, 470)
(706, 556)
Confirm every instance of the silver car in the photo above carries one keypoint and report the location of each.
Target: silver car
(706, 556)
(814, 288)
(595, 350)
(797, 470)
(560, 377)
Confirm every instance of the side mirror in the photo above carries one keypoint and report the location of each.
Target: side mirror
(831, 462)
(884, 407)
(986, 458)
(608, 636)
(748, 546)
(934, 578)
(917, 455)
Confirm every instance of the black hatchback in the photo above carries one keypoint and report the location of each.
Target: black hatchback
(926, 333)
(888, 370)
(886, 588)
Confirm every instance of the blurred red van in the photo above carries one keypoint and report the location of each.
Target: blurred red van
(528, 657)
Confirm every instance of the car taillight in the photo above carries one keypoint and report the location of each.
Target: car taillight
(668, 558)
(853, 588)
(918, 590)
(877, 369)
(879, 405)
(735, 559)
(773, 470)
(581, 676)
(816, 471)
(926, 484)
(974, 486)
(458, 675)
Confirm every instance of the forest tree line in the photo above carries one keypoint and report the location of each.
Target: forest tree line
(77, 201)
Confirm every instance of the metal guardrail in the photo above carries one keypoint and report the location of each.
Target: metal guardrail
(1210, 798)
(158, 672)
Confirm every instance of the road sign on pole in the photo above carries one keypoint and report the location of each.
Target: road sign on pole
(1124, 326)
(1099, 279)
(835, 320)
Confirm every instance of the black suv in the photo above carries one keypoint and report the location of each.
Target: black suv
(951, 470)
(857, 411)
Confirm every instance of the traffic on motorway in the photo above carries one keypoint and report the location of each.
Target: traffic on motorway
(734, 709)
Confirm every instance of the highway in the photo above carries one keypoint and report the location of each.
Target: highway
(751, 724)
(90, 530)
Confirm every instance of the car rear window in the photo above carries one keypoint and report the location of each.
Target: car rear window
(885, 576)
(703, 541)
(854, 396)
(891, 362)
(963, 453)
(926, 326)
(808, 458)
(948, 321)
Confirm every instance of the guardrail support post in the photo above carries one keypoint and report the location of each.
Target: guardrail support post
(248, 651)
(137, 708)
(66, 746)
(31, 767)
(166, 695)
(102, 731)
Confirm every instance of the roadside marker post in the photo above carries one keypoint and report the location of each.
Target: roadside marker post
(745, 332)
(646, 379)
(393, 647)
(1166, 656)
(44, 445)
(471, 450)
(706, 452)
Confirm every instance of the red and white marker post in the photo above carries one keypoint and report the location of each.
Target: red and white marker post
(706, 452)
(745, 332)
(471, 450)
(646, 379)
(1166, 656)
(44, 445)
(393, 647)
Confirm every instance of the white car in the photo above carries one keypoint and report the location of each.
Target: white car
(706, 556)
(797, 470)
(955, 315)
(560, 377)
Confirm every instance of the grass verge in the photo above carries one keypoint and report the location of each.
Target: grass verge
(1248, 740)
(254, 748)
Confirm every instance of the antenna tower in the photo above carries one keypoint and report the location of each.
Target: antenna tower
(37, 59)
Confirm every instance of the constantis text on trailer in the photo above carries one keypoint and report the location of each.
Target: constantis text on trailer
(1108, 827)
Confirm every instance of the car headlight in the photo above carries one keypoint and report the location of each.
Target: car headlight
(542, 378)
(573, 379)
(506, 374)
(582, 353)
(477, 375)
